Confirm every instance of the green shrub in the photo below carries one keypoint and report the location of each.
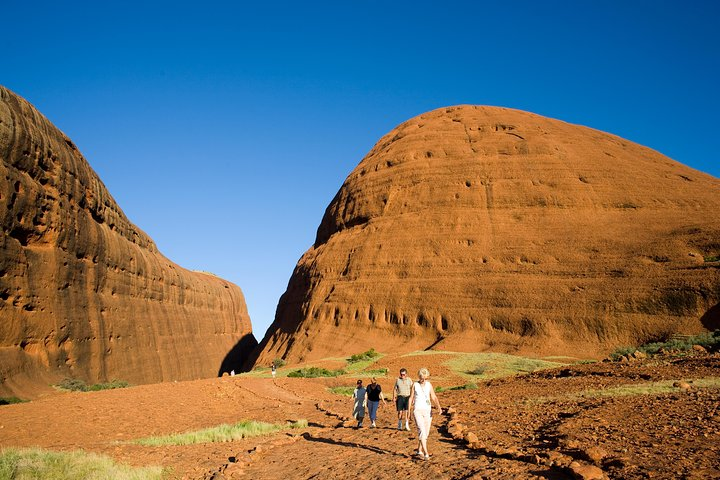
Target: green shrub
(376, 372)
(710, 341)
(10, 400)
(73, 384)
(108, 386)
(712, 258)
(361, 357)
(76, 385)
(314, 372)
(31, 464)
(279, 362)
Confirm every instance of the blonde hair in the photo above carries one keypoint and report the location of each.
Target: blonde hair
(424, 373)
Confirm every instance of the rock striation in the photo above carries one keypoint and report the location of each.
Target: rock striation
(84, 293)
(483, 228)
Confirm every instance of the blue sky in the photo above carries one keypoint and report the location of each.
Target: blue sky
(224, 129)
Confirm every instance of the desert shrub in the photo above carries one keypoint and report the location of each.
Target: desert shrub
(314, 372)
(479, 370)
(76, 385)
(376, 372)
(73, 384)
(361, 357)
(712, 258)
(47, 465)
(108, 386)
(467, 386)
(10, 400)
(710, 341)
(279, 362)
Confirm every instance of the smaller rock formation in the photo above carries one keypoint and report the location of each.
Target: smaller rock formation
(84, 293)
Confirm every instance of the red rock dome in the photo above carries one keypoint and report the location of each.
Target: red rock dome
(474, 228)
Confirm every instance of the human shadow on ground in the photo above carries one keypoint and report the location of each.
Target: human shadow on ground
(340, 443)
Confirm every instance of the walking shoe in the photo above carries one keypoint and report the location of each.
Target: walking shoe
(373, 425)
(407, 427)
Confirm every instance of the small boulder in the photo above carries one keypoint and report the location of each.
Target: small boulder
(586, 472)
(471, 438)
(682, 385)
(699, 349)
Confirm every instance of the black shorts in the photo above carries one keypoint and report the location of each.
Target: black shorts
(402, 403)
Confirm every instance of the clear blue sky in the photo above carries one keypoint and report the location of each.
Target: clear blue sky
(224, 130)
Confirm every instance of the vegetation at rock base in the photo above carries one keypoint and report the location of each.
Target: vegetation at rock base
(361, 357)
(709, 341)
(41, 464)
(220, 433)
(11, 400)
(315, 372)
(76, 385)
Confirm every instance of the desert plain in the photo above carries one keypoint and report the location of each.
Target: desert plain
(647, 417)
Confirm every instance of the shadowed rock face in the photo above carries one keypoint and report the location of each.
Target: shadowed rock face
(84, 292)
(471, 228)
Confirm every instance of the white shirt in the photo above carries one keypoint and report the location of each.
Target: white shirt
(422, 396)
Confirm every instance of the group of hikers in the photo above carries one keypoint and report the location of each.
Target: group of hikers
(418, 397)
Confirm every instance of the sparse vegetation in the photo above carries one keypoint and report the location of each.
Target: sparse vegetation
(315, 372)
(279, 362)
(494, 365)
(361, 357)
(221, 433)
(709, 341)
(40, 464)
(712, 258)
(344, 391)
(648, 388)
(10, 400)
(467, 386)
(76, 385)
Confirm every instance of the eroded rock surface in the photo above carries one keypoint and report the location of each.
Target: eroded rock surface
(85, 293)
(490, 228)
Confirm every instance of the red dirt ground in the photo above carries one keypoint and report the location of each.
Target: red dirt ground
(526, 427)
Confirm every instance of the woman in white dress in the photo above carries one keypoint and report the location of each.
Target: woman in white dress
(422, 399)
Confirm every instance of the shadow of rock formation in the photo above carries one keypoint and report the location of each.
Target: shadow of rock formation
(238, 355)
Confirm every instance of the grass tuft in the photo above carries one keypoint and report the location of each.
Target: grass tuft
(27, 464)
(221, 433)
(344, 391)
(11, 400)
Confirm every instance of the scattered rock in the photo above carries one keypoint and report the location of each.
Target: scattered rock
(595, 454)
(583, 471)
(471, 438)
(682, 385)
(699, 349)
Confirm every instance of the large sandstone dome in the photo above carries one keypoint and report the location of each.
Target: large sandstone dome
(474, 228)
(83, 292)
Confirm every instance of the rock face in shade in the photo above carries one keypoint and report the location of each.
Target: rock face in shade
(474, 228)
(83, 292)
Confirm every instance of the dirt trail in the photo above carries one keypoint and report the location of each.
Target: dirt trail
(546, 425)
